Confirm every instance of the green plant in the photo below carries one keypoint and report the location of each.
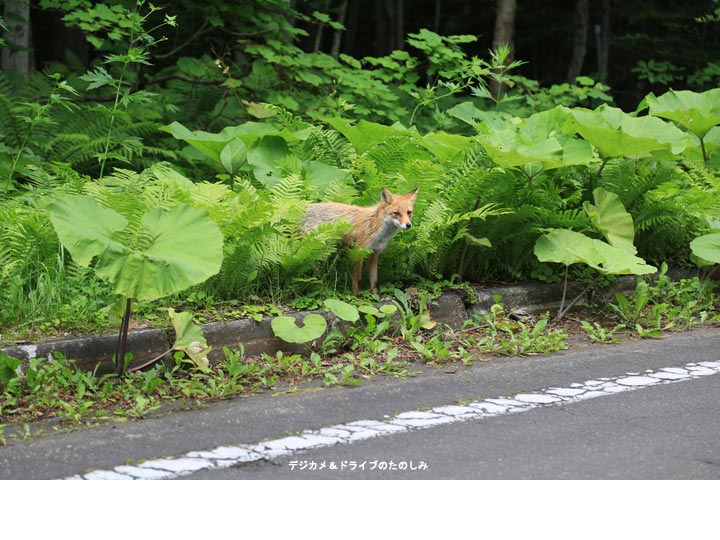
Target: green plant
(663, 303)
(502, 335)
(616, 256)
(653, 332)
(412, 320)
(346, 377)
(25, 118)
(630, 310)
(615, 133)
(599, 334)
(138, 53)
(158, 257)
(286, 328)
(534, 144)
(696, 112)
(661, 72)
(343, 310)
(436, 348)
(451, 73)
(8, 367)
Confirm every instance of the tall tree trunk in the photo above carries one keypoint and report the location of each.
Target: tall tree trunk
(605, 47)
(400, 24)
(320, 29)
(582, 17)
(436, 19)
(504, 23)
(337, 36)
(18, 55)
(389, 26)
(351, 27)
(504, 34)
(380, 27)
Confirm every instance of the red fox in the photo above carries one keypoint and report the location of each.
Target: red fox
(372, 226)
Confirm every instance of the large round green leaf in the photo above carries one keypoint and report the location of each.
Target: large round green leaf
(265, 156)
(616, 134)
(210, 144)
(322, 175)
(86, 229)
(609, 216)
(285, 328)
(707, 248)
(537, 140)
(343, 310)
(182, 246)
(696, 112)
(364, 135)
(570, 247)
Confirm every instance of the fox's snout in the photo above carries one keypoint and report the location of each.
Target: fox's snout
(399, 222)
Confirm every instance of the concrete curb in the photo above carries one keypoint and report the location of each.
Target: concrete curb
(451, 308)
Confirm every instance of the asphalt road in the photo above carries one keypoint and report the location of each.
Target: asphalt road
(666, 430)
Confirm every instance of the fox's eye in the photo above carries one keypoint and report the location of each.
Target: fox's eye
(396, 214)
(409, 213)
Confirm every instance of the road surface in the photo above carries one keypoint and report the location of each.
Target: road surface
(642, 409)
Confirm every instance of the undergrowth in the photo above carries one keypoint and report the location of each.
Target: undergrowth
(399, 342)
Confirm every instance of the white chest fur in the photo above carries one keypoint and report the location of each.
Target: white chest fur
(380, 240)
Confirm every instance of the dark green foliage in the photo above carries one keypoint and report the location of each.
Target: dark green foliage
(306, 126)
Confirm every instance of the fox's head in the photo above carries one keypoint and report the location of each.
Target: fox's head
(398, 208)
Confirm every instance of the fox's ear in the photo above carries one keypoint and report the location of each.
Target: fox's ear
(413, 193)
(385, 195)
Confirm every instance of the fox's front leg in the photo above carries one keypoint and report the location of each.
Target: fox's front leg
(374, 271)
(357, 274)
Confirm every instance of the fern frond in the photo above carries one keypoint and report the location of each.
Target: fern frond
(291, 187)
(27, 240)
(328, 146)
(341, 191)
(392, 154)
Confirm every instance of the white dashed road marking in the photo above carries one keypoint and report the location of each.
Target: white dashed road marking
(228, 456)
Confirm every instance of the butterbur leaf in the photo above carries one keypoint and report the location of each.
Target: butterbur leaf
(536, 143)
(87, 229)
(570, 247)
(364, 135)
(321, 175)
(609, 216)
(343, 310)
(615, 133)
(264, 156)
(445, 146)
(233, 155)
(707, 249)
(469, 113)
(185, 246)
(370, 310)
(210, 144)
(565, 247)
(388, 309)
(285, 328)
(189, 338)
(696, 112)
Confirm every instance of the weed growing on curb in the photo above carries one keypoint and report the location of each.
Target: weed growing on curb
(599, 334)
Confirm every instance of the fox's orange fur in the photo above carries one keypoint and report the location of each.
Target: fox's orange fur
(372, 226)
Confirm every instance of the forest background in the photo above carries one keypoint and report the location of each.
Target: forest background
(246, 111)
